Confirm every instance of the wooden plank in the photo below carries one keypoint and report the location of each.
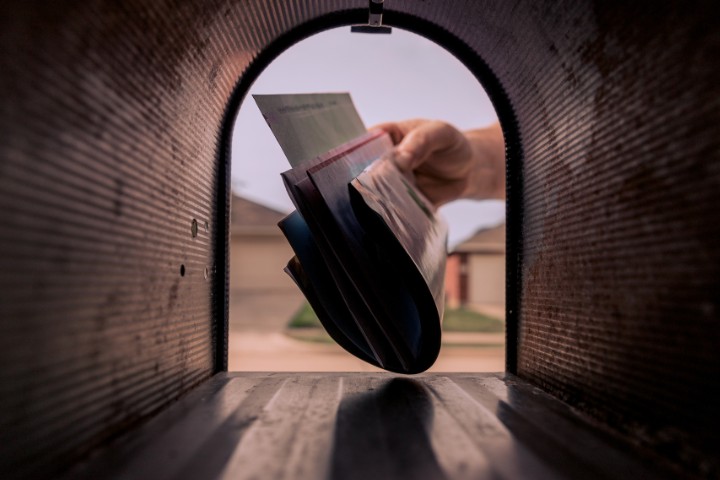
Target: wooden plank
(293, 435)
(510, 458)
(551, 429)
(378, 425)
(381, 430)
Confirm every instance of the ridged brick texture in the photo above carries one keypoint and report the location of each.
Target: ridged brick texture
(114, 120)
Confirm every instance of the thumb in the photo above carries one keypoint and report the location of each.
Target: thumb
(418, 145)
(404, 160)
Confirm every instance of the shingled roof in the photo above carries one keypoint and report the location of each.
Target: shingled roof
(486, 240)
(248, 216)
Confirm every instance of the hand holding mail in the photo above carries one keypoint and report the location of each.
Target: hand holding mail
(449, 164)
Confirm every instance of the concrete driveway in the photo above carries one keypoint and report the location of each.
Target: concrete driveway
(258, 342)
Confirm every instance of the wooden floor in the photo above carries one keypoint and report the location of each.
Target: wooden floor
(368, 426)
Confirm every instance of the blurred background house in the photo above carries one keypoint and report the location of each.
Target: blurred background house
(474, 278)
(258, 250)
(267, 309)
(262, 295)
(475, 273)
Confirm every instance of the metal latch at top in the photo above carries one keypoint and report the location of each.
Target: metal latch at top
(374, 25)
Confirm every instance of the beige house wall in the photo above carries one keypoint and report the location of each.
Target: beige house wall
(257, 262)
(486, 279)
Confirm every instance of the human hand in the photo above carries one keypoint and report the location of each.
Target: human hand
(447, 163)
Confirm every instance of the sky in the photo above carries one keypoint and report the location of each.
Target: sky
(390, 77)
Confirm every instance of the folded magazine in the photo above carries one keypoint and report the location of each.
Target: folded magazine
(370, 249)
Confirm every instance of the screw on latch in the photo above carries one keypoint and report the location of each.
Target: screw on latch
(374, 25)
(376, 11)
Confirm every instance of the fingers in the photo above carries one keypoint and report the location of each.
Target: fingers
(446, 163)
(392, 129)
(427, 139)
(402, 157)
(403, 160)
(398, 130)
(418, 139)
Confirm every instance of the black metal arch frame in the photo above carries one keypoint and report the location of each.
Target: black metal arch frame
(503, 107)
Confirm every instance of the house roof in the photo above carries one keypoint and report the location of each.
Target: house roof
(486, 240)
(248, 216)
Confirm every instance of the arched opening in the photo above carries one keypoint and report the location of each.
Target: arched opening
(390, 78)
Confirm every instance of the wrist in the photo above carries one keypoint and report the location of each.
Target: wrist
(487, 175)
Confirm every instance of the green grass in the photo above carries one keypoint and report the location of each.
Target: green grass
(462, 320)
(305, 318)
(455, 320)
(312, 335)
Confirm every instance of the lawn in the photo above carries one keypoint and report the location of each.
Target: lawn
(305, 318)
(455, 320)
(462, 320)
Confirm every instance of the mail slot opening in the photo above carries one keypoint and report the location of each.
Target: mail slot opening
(390, 78)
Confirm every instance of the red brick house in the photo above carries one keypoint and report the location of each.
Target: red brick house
(475, 272)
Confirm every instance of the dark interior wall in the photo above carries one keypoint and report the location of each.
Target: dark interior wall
(619, 111)
(112, 118)
(613, 219)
